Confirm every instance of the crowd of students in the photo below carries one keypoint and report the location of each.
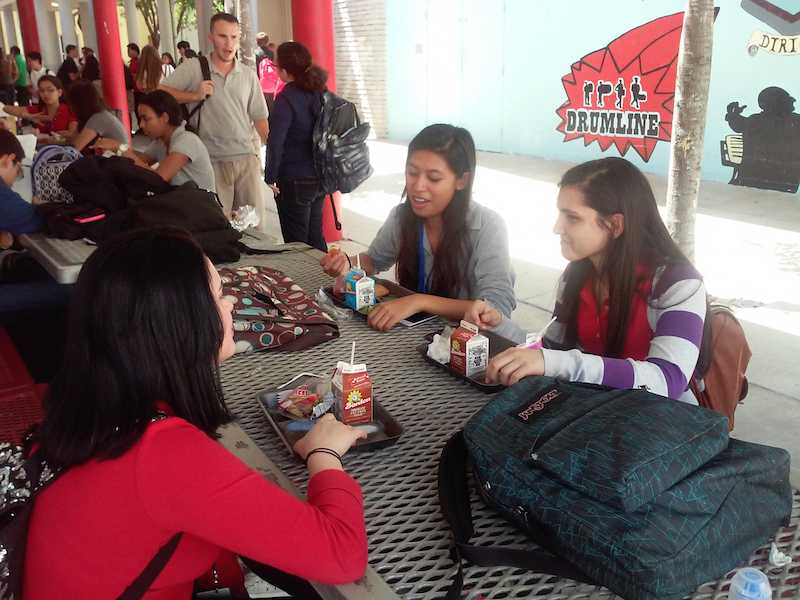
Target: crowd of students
(134, 417)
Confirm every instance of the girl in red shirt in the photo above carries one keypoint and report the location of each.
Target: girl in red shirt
(148, 328)
(51, 117)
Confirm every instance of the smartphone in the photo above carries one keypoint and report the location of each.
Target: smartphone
(417, 318)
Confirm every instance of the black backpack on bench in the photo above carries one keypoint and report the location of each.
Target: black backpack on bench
(644, 495)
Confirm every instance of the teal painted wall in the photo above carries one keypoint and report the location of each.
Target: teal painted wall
(495, 67)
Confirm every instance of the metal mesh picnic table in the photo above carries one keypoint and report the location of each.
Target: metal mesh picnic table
(408, 539)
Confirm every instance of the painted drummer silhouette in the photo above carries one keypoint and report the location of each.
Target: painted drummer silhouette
(637, 95)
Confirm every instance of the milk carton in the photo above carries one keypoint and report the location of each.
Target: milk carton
(469, 350)
(352, 390)
(359, 290)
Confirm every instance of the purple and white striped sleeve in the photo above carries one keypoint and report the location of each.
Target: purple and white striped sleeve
(678, 311)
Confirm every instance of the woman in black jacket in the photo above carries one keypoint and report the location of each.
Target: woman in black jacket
(290, 170)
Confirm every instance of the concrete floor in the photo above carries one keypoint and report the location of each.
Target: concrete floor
(747, 247)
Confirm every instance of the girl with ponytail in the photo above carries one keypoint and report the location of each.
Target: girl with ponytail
(290, 169)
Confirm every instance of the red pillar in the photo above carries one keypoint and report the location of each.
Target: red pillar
(312, 26)
(106, 25)
(27, 24)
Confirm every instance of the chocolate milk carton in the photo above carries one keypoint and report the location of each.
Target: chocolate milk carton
(359, 290)
(352, 389)
(469, 350)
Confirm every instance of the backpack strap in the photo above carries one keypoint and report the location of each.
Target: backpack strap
(205, 73)
(454, 502)
(152, 570)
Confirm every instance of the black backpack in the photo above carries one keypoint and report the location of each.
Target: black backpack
(622, 488)
(206, 72)
(24, 478)
(341, 154)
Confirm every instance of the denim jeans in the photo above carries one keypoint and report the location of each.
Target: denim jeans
(300, 211)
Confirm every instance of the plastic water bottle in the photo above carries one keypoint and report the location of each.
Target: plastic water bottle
(750, 584)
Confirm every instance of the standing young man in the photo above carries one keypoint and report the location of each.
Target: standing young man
(21, 84)
(233, 116)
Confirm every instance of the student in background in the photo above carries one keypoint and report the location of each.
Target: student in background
(51, 117)
(233, 120)
(69, 71)
(183, 46)
(8, 77)
(16, 215)
(167, 64)
(37, 70)
(630, 306)
(180, 154)
(448, 249)
(21, 84)
(91, 66)
(94, 119)
(150, 71)
(290, 170)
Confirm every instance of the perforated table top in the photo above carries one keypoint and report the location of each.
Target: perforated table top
(408, 539)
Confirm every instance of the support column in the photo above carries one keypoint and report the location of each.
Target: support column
(48, 34)
(27, 25)
(9, 33)
(312, 26)
(108, 45)
(167, 42)
(204, 13)
(86, 12)
(132, 19)
(67, 23)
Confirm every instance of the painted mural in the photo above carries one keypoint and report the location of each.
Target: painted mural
(764, 151)
(622, 95)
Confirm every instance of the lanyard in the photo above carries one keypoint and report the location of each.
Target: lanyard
(422, 284)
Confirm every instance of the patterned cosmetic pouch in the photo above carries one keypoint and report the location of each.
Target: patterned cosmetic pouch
(48, 164)
(272, 312)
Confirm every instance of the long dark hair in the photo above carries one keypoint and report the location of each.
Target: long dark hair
(143, 328)
(615, 186)
(296, 60)
(456, 147)
(84, 101)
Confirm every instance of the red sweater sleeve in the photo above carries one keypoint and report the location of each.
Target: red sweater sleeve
(191, 483)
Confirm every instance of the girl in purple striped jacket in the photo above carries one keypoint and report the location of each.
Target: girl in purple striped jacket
(630, 306)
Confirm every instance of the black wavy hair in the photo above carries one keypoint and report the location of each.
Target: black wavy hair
(295, 59)
(162, 102)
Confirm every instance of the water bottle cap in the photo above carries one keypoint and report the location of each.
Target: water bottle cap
(750, 584)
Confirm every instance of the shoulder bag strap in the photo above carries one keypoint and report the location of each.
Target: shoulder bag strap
(205, 73)
(152, 570)
(454, 502)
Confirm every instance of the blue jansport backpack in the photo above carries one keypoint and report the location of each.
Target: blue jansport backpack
(644, 495)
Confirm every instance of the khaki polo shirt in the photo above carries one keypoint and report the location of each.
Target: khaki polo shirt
(227, 117)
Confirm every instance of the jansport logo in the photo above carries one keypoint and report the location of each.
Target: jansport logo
(527, 411)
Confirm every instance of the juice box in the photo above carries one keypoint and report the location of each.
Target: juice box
(359, 290)
(469, 350)
(352, 390)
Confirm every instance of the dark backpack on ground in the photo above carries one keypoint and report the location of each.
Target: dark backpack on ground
(341, 154)
(272, 312)
(622, 488)
(205, 70)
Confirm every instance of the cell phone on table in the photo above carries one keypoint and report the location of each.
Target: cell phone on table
(417, 318)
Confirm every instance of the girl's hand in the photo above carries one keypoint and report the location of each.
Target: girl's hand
(515, 363)
(329, 433)
(39, 117)
(483, 314)
(6, 240)
(335, 263)
(104, 144)
(388, 314)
